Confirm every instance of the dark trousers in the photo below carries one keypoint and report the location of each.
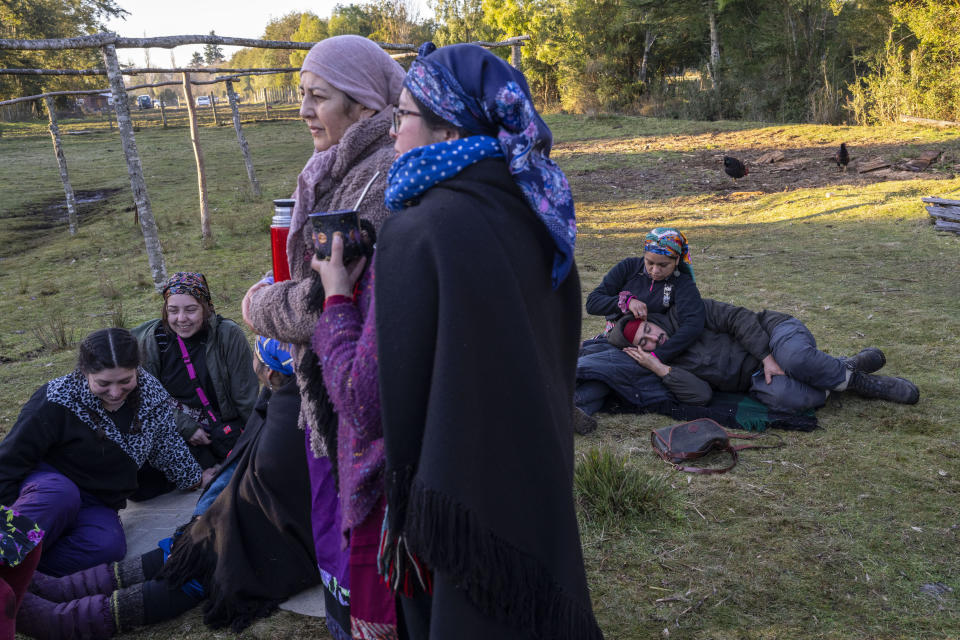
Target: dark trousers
(79, 531)
(811, 373)
(590, 395)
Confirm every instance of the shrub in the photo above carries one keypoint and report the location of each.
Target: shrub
(55, 336)
(612, 493)
(118, 318)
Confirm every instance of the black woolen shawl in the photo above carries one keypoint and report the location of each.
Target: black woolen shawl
(253, 548)
(477, 354)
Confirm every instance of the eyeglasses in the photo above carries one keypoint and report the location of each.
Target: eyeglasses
(399, 113)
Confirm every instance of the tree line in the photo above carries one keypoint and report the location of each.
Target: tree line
(827, 61)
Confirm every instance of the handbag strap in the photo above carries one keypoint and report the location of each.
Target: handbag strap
(193, 378)
(729, 449)
(753, 436)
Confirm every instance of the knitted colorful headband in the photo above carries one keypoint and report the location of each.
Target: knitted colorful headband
(189, 283)
(274, 354)
(666, 241)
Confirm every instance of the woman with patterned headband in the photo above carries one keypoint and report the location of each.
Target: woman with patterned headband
(450, 388)
(204, 361)
(660, 279)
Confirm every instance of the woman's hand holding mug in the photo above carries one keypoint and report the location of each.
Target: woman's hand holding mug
(338, 278)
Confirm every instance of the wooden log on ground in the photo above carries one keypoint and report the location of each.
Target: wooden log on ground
(205, 233)
(148, 225)
(62, 164)
(872, 165)
(770, 156)
(922, 161)
(934, 200)
(946, 213)
(943, 225)
(244, 148)
(935, 123)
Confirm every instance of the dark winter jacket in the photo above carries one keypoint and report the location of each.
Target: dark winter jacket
(477, 355)
(642, 388)
(730, 350)
(678, 291)
(229, 363)
(65, 426)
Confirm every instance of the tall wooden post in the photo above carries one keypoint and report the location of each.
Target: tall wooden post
(62, 163)
(213, 105)
(148, 225)
(244, 148)
(163, 114)
(205, 234)
(515, 59)
(266, 109)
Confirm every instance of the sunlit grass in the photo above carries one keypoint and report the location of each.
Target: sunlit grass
(782, 546)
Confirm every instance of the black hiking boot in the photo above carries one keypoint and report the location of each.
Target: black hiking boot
(884, 387)
(867, 361)
(582, 423)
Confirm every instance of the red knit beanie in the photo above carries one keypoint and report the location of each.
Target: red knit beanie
(630, 329)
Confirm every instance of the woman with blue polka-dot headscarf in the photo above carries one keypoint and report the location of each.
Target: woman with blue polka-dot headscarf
(463, 351)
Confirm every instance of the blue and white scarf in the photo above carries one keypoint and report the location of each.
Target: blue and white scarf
(422, 167)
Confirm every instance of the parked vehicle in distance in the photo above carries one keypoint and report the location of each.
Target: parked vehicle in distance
(144, 102)
(203, 101)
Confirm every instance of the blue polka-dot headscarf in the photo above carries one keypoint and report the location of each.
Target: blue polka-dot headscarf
(478, 92)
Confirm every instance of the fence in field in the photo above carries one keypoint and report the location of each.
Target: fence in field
(108, 43)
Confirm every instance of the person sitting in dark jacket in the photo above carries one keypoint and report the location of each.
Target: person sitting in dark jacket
(204, 362)
(771, 356)
(656, 282)
(71, 460)
(248, 547)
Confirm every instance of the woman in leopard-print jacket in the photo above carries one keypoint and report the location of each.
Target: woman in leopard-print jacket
(71, 460)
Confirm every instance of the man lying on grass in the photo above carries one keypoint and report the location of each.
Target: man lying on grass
(770, 356)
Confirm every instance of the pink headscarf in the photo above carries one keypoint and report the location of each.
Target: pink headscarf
(365, 72)
(358, 67)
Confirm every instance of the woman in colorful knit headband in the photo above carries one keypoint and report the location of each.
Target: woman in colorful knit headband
(204, 361)
(468, 390)
(660, 279)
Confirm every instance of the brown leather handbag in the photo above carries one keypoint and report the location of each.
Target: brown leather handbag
(681, 443)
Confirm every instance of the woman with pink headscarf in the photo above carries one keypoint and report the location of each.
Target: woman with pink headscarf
(349, 87)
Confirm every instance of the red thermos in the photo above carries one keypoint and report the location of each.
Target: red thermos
(279, 228)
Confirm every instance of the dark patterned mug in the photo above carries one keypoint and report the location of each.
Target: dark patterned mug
(327, 223)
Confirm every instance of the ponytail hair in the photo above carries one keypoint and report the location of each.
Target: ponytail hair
(108, 349)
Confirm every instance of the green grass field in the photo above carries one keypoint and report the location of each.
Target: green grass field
(850, 531)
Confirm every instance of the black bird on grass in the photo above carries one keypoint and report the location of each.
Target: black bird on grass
(734, 168)
(843, 157)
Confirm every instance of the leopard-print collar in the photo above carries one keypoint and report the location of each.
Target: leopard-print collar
(72, 392)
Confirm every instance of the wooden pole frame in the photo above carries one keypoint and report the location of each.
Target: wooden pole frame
(244, 147)
(205, 234)
(148, 225)
(62, 165)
